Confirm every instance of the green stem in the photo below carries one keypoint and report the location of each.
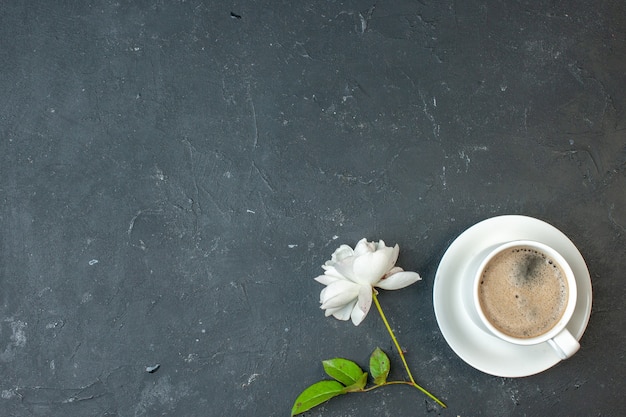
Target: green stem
(395, 341)
(387, 383)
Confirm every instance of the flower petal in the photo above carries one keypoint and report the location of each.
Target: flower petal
(392, 271)
(339, 293)
(369, 268)
(327, 279)
(398, 280)
(345, 269)
(341, 313)
(365, 299)
(331, 270)
(357, 315)
(363, 246)
(341, 253)
(394, 256)
(394, 252)
(363, 305)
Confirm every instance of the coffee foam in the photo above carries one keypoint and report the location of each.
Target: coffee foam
(523, 293)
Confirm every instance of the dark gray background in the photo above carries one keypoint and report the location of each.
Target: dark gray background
(172, 178)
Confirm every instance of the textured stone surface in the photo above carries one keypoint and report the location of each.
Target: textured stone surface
(173, 174)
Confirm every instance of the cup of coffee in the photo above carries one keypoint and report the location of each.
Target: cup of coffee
(524, 292)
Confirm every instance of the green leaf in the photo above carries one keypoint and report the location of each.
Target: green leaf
(379, 366)
(316, 394)
(343, 370)
(358, 385)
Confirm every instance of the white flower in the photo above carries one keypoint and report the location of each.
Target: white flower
(350, 276)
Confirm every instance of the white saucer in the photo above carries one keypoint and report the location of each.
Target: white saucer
(476, 347)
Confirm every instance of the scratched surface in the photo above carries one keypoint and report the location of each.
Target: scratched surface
(173, 174)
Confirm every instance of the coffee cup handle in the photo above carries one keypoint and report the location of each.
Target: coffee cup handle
(564, 344)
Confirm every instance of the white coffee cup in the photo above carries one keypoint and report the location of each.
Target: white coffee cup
(524, 292)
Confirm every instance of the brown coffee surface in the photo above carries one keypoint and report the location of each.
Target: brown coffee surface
(523, 293)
